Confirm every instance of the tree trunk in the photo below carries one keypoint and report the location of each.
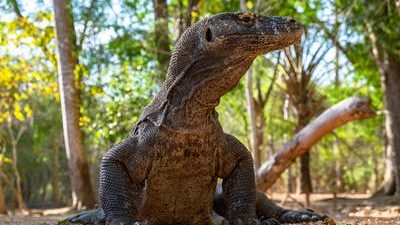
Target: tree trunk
(389, 68)
(338, 184)
(192, 4)
(305, 175)
(186, 22)
(304, 185)
(2, 202)
(254, 114)
(390, 74)
(388, 186)
(18, 196)
(181, 26)
(14, 144)
(391, 84)
(337, 115)
(82, 193)
(161, 38)
(304, 181)
(55, 174)
(254, 140)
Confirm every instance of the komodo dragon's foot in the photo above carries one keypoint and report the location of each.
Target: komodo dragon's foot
(95, 216)
(119, 222)
(286, 216)
(301, 216)
(269, 221)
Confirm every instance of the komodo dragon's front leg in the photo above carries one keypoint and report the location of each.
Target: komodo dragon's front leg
(121, 187)
(122, 176)
(267, 211)
(239, 188)
(238, 198)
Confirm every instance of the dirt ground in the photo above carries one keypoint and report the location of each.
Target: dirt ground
(347, 209)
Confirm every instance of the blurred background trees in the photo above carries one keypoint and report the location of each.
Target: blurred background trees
(351, 48)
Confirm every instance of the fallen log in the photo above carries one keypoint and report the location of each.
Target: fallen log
(350, 109)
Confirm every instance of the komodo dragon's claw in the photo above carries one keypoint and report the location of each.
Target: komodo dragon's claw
(95, 217)
(118, 222)
(306, 215)
(269, 221)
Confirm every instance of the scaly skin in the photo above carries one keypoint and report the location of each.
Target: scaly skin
(166, 170)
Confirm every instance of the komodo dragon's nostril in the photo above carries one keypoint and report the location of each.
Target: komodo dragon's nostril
(292, 21)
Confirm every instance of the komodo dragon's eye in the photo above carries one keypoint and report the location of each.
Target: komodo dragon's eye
(208, 35)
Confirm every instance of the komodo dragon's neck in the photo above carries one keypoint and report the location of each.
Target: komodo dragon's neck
(208, 61)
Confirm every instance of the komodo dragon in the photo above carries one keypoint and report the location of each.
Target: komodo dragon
(165, 172)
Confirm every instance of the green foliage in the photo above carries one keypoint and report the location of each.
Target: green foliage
(30, 102)
(120, 69)
(382, 15)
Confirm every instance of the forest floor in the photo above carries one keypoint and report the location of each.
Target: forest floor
(347, 209)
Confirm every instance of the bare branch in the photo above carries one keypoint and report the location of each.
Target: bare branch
(15, 7)
(345, 111)
(290, 59)
(88, 16)
(314, 64)
(310, 64)
(337, 44)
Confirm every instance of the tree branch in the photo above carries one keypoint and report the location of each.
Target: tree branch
(345, 111)
(88, 16)
(15, 7)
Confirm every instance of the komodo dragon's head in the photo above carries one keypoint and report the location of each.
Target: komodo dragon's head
(211, 56)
